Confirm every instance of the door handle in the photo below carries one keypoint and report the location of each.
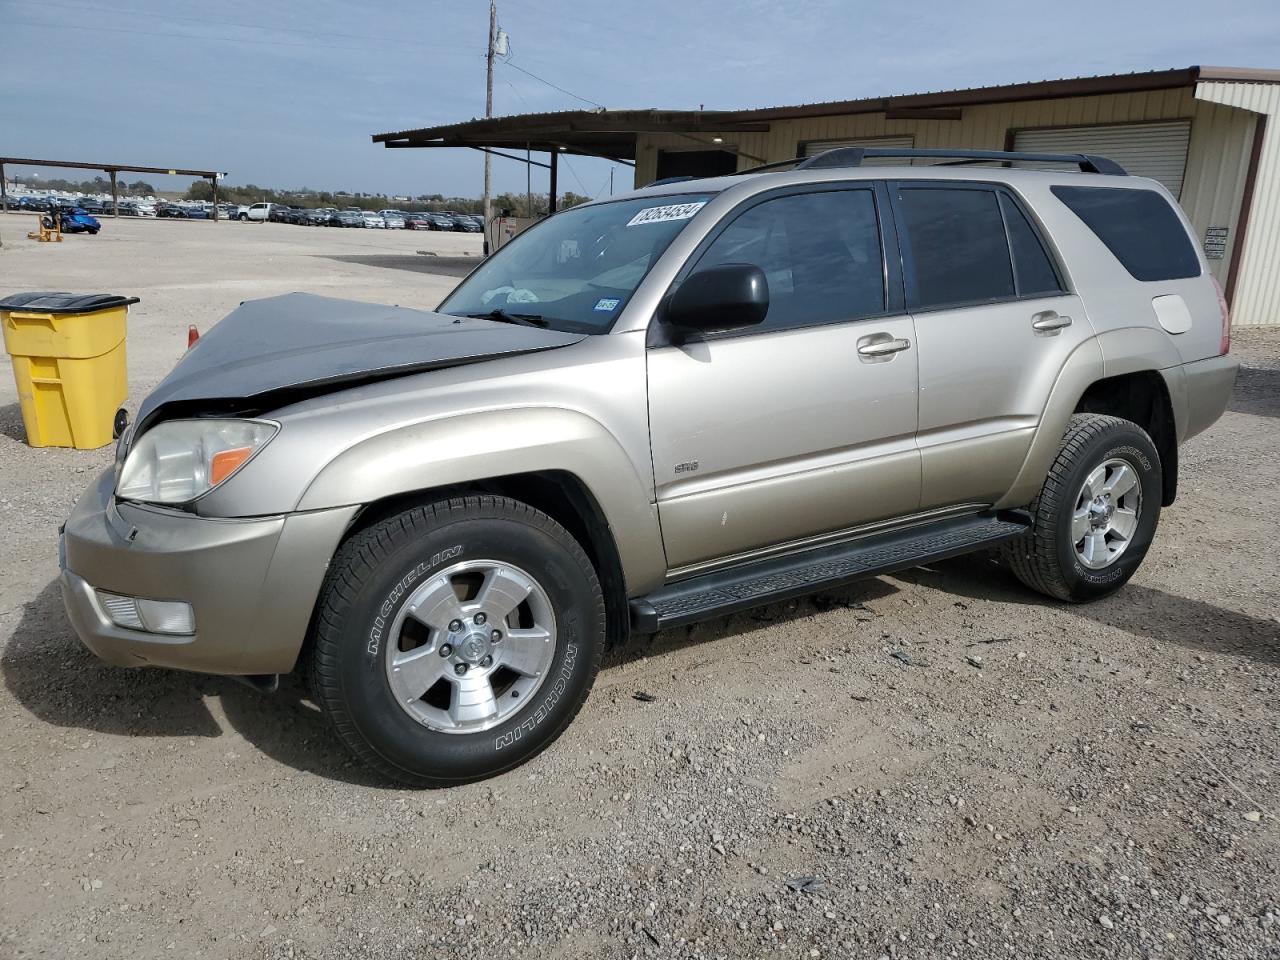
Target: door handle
(1049, 320)
(885, 347)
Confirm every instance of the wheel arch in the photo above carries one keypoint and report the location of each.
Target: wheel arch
(559, 494)
(1142, 397)
(488, 448)
(1123, 373)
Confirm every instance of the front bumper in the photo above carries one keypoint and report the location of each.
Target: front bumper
(251, 583)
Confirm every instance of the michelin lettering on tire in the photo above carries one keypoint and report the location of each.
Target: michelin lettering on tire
(530, 723)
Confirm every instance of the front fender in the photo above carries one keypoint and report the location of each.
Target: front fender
(490, 444)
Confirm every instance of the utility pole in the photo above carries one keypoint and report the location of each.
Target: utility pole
(488, 112)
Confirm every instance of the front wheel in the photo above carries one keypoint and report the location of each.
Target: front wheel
(1096, 515)
(456, 640)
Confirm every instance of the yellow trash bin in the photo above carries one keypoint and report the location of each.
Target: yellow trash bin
(68, 358)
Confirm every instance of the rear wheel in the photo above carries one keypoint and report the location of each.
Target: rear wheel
(1096, 515)
(456, 640)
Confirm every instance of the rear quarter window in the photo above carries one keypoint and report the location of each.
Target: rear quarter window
(1139, 227)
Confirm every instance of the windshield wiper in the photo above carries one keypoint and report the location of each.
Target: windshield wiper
(502, 316)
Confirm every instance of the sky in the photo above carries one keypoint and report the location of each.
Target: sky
(286, 94)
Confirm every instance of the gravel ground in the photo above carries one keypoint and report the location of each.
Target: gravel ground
(935, 764)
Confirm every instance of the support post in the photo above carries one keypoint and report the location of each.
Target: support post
(553, 193)
(4, 191)
(115, 197)
(214, 181)
(488, 112)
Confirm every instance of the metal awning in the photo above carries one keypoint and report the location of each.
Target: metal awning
(610, 134)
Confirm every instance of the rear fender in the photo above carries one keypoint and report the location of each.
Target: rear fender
(1083, 367)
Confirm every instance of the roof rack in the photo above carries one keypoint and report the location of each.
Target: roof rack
(853, 157)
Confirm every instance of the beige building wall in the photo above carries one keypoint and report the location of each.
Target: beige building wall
(1213, 187)
(1256, 296)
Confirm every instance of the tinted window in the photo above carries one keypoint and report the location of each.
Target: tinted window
(1033, 270)
(1138, 227)
(956, 246)
(820, 252)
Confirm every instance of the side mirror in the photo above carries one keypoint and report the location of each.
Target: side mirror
(723, 297)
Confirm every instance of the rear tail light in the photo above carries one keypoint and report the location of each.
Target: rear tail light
(1224, 345)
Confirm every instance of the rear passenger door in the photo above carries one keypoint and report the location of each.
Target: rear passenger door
(994, 325)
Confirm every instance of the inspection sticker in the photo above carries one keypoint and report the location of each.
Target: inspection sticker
(607, 304)
(672, 211)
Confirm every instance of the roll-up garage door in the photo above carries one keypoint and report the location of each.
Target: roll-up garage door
(814, 147)
(1156, 150)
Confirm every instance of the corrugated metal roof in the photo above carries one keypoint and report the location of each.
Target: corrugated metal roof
(612, 132)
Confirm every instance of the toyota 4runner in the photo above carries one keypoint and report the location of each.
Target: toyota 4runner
(648, 411)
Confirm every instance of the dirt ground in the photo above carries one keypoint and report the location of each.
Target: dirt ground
(1032, 779)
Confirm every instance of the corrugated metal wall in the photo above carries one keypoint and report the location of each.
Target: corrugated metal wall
(1217, 160)
(1256, 297)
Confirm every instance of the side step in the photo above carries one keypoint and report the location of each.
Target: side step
(806, 571)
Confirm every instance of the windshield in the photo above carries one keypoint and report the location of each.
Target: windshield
(575, 271)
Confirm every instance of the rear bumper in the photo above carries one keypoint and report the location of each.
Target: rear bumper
(1200, 392)
(251, 583)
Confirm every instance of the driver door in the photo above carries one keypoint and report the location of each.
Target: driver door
(804, 425)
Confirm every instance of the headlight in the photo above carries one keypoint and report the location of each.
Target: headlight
(182, 459)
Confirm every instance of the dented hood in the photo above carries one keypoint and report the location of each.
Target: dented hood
(275, 351)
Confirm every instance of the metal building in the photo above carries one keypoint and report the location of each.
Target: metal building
(1209, 134)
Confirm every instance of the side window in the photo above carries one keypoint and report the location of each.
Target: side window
(1138, 227)
(955, 243)
(819, 251)
(1033, 271)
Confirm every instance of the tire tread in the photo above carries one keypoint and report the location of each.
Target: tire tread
(1033, 559)
(357, 559)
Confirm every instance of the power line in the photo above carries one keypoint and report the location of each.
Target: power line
(553, 86)
(585, 191)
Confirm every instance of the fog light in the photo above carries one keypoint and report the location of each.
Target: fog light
(153, 616)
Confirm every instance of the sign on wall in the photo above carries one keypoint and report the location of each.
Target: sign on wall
(1215, 243)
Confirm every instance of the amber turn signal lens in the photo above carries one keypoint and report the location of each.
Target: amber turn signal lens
(226, 462)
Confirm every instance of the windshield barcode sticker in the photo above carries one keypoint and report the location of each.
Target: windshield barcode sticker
(672, 211)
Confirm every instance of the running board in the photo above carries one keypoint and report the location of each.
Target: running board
(806, 571)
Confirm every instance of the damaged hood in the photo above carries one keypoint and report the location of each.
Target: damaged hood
(271, 352)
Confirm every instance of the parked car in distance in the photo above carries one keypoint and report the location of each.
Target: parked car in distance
(261, 212)
(167, 210)
(444, 518)
(72, 219)
(417, 221)
(351, 218)
(90, 204)
(441, 221)
(468, 223)
(392, 219)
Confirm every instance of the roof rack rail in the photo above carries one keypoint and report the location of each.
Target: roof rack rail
(853, 157)
(665, 180)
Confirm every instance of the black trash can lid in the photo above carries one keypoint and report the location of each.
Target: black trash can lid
(64, 302)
